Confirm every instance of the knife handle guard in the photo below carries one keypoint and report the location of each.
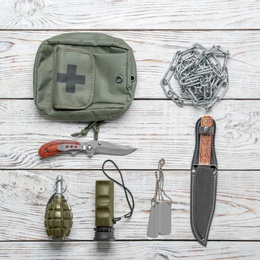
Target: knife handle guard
(51, 148)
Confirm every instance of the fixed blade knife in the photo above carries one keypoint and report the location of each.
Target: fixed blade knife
(204, 170)
(91, 148)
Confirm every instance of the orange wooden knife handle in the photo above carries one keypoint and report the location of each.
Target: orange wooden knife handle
(205, 141)
(51, 148)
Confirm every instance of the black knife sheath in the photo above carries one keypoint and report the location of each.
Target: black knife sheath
(203, 179)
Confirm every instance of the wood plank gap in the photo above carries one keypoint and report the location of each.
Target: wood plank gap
(150, 99)
(128, 240)
(129, 30)
(122, 169)
(238, 99)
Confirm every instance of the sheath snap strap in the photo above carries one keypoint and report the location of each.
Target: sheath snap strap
(206, 130)
(95, 125)
(126, 190)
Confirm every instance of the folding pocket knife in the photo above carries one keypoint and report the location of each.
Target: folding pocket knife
(91, 148)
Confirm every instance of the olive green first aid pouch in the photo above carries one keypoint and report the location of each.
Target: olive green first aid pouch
(84, 77)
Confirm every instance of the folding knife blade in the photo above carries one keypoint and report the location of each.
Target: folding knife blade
(103, 147)
(91, 148)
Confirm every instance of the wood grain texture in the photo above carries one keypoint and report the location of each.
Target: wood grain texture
(153, 52)
(153, 124)
(132, 14)
(153, 250)
(24, 195)
(156, 128)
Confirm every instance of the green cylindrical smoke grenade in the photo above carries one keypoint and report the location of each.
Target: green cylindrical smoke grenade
(58, 215)
(104, 211)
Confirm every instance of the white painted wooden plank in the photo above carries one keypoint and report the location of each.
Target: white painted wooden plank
(132, 14)
(24, 195)
(153, 250)
(156, 128)
(153, 52)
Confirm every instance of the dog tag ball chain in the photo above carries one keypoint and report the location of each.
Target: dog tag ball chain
(160, 214)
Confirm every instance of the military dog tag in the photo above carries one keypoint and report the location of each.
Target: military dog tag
(153, 224)
(165, 218)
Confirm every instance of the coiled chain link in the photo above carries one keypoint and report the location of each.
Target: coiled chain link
(202, 75)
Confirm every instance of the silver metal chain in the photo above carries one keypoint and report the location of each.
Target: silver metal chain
(202, 75)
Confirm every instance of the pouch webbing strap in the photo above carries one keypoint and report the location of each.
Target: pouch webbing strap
(95, 125)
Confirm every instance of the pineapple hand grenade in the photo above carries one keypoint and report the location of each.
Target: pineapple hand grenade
(58, 215)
